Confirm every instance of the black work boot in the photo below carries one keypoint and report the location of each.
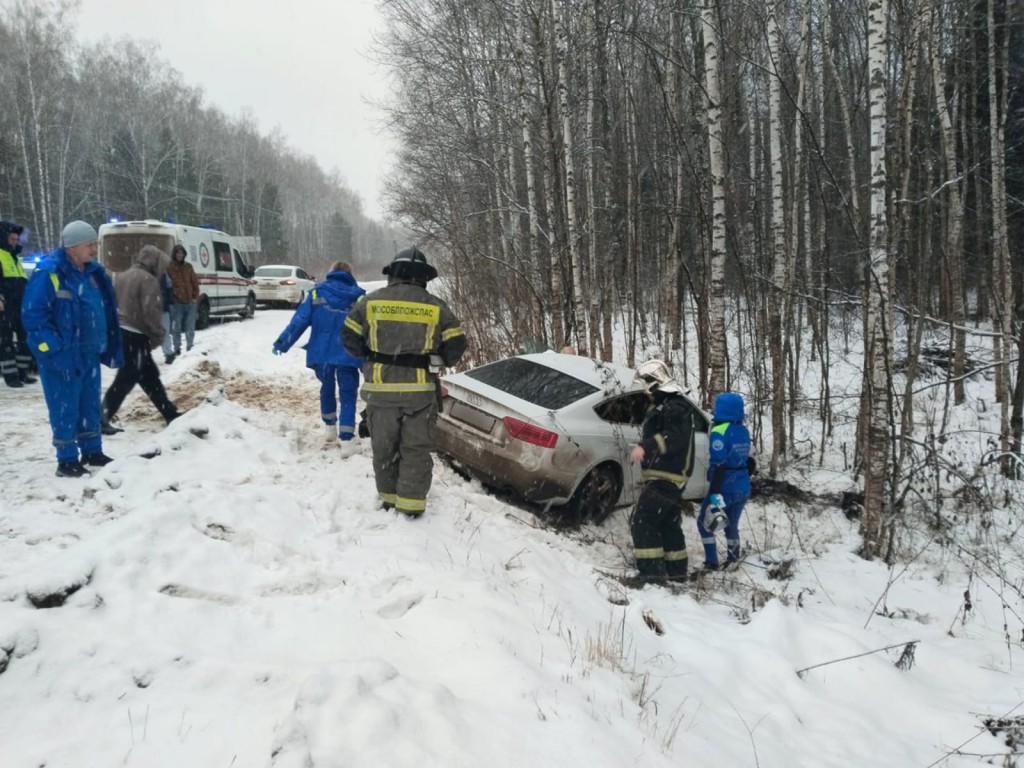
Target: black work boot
(26, 377)
(13, 381)
(106, 428)
(98, 459)
(71, 469)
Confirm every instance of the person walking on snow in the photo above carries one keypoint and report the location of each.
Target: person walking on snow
(139, 309)
(325, 309)
(185, 289)
(15, 359)
(728, 477)
(70, 317)
(665, 454)
(405, 334)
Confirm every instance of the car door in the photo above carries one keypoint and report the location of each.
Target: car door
(624, 414)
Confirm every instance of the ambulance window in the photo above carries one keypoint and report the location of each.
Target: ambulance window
(239, 264)
(223, 251)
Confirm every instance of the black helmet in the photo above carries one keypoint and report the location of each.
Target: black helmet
(410, 264)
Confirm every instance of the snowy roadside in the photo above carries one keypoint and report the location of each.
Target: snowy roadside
(235, 596)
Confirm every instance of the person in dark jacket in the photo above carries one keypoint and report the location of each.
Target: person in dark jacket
(15, 359)
(405, 334)
(665, 454)
(325, 309)
(70, 317)
(140, 310)
(728, 477)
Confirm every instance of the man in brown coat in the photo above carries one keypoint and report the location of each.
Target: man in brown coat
(185, 290)
(140, 315)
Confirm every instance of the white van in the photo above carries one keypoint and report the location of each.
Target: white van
(225, 286)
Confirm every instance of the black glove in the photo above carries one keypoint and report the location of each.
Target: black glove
(751, 466)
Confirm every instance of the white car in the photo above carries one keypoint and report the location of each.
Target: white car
(282, 284)
(556, 430)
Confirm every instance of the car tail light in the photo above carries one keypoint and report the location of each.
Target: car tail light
(530, 433)
(287, 282)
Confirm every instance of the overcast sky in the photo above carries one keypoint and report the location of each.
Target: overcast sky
(300, 65)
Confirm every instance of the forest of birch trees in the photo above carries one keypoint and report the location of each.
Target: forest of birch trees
(723, 182)
(112, 131)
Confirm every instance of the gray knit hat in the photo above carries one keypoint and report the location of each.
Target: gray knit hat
(76, 233)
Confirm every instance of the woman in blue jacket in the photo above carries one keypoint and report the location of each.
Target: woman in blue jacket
(729, 478)
(70, 318)
(325, 310)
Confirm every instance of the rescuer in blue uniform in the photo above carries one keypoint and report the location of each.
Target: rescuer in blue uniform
(729, 479)
(70, 317)
(324, 311)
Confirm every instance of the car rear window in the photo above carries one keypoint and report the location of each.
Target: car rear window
(533, 382)
(273, 272)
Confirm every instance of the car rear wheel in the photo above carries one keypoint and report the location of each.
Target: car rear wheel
(595, 496)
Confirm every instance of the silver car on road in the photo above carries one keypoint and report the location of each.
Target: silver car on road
(556, 430)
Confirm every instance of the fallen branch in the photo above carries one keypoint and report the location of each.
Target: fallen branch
(909, 643)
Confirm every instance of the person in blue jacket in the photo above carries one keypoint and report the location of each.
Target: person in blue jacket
(729, 479)
(70, 318)
(325, 310)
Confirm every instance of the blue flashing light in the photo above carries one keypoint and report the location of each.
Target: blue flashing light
(172, 220)
(113, 220)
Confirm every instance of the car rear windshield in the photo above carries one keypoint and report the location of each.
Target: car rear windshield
(533, 382)
(273, 272)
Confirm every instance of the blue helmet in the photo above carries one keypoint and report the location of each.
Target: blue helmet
(729, 407)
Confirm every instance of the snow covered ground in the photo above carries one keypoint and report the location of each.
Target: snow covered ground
(227, 593)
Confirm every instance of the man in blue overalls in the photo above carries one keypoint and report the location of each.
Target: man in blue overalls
(70, 317)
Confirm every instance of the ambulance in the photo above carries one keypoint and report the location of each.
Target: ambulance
(225, 284)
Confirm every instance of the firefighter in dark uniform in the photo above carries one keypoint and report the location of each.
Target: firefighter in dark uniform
(15, 359)
(665, 454)
(405, 335)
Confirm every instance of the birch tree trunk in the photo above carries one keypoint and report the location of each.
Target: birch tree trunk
(875, 522)
(997, 55)
(953, 212)
(780, 251)
(715, 299)
(578, 321)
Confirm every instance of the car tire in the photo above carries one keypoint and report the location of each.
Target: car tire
(250, 308)
(595, 497)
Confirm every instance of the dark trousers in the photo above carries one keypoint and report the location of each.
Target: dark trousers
(139, 368)
(402, 439)
(658, 541)
(15, 358)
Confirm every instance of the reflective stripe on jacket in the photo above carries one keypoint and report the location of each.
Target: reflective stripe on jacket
(402, 318)
(668, 440)
(52, 312)
(728, 448)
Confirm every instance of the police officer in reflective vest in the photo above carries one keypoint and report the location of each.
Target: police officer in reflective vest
(15, 359)
(729, 478)
(405, 335)
(665, 454)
